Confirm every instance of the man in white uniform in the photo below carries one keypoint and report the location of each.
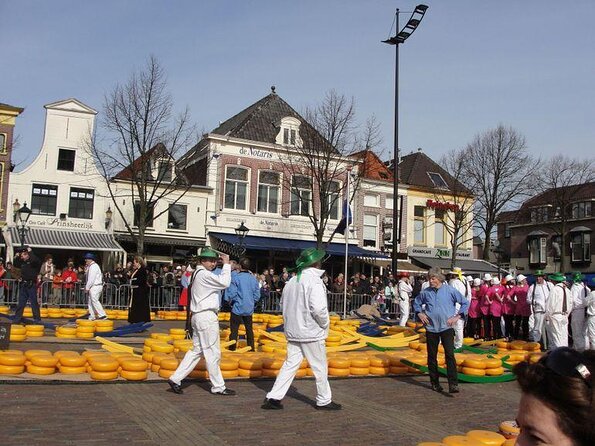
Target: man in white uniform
(557, 310)
(204, 306)
(591, 316)
(306, 324)
(93, 288)
(536, 298)
(578, 321)
(458, 282)
(405, 291)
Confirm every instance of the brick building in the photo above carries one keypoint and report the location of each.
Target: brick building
(8, 115)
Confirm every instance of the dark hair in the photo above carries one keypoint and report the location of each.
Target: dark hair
(570, 397)
(244, 263)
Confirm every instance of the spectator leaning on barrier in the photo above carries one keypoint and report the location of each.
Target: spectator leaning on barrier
(2, 284)
(29, 264)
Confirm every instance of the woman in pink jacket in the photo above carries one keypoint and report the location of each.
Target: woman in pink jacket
(523, 309)
(484, 306)
(474, 315)
(509, 306)
(496, 296)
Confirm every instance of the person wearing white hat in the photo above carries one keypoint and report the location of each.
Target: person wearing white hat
(458, 282)
(509, 306)
(474, 315)
(495, 296)
(484, 305)
(522, 310)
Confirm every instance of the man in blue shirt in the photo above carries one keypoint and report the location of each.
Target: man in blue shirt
(241, 295)
(436, 307)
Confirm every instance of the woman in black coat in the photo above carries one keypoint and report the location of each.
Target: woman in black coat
(140, 309)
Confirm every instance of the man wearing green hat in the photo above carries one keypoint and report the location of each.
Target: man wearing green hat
(536, 298)
(306, 324)
(204, 289)
(591, 317)
(578, 322)
(557, 310)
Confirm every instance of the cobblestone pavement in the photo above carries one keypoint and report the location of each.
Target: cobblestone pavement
(378, 411)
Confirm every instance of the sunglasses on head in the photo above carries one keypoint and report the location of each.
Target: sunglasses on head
(567, 362)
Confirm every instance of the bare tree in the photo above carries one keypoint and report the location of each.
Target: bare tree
(562, 180)
(136, 146)
(498, 169)
(456, 203)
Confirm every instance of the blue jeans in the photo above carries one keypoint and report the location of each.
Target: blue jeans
(27, 292)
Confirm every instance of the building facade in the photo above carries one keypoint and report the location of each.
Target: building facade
(8, 115)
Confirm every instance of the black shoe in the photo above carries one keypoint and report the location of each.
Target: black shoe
(176, 388)
(225, 392)
(101, 318)
(271, 404)
(437, 388)
(330, 406)
(453, 389)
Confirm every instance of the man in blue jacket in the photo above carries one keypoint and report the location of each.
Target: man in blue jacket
(241, 295)
(436, 307)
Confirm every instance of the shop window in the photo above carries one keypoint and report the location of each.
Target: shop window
(439, 228)
(331, 200)
(150, 214)
(419, 224)
(372, 200)
(236, 187)
(370, 232)
(66, 159)
(80, 204)
(301, 195)
(2, 142)
(581, 247)
(43, 199)
(268, 191)
(176, 216)
(537, 250)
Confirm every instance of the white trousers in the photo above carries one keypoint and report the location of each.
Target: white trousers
(591, 331)
(459, 332)
(315, 353)
(404, 310)
(579, 329)
(205, 340)
(537, 328)
(557, 331)
(94, 306)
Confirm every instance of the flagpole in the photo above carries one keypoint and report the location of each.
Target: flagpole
(347, 227)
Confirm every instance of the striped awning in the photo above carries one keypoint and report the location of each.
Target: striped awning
(66, 239)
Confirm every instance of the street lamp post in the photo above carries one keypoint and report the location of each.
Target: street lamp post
(21, 216)
(499, 253)
(397, 39)
(241, 232)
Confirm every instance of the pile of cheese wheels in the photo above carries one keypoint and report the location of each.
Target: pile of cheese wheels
(479, 365)
(370, 363)
(85, 329)
(474, 438)
(518, 351)
(18, 333)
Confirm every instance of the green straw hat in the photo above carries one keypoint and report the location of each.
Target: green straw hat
(539, 272)
(557, 277)
(208, 253)
(577, 277)
(308, 257)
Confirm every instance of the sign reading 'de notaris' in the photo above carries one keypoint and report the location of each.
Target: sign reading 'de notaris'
(445, 253)
(256, 153)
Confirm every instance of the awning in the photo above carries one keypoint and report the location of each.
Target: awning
(468, 266)
(402, 265)
(66, 239)
(169, 241)
(224, 241)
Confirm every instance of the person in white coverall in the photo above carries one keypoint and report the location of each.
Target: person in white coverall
(93, 288)
(536, 298)
(591, 316)
(405, 291)
(204, 306)
(578, 320)
(557, 310)
(306, 324)
(458, 282)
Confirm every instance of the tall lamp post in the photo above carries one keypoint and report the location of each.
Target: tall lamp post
(499, 253)
(21, 216)
(397, 39)
(241, 232)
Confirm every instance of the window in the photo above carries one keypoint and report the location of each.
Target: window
(289, 137)
(372, 200)
(150, 213)
(3, 142)
(389, 202)
(507, 230)
(164, 171)
(80, 204)
(438, 180)
(43, 199)
(557, 247)
(580, 247)
(582, 210)
(236, 187)
(66, 159)
(439, 228)
(540, 214)
(419, 224)
(301, 195)
(370, 230)
(176, 216)
(537, 250)
(268, 192)
(331, 200)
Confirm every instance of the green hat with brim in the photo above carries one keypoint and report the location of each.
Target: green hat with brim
(577, 277)
(539, 272)
(308, 257)
(557, 277)
(207, 253)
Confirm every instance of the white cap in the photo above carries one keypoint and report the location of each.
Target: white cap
(469, 279)
(509, 277)
(495, 281)
(476, 282)
(178, 267)
(520, 278)
(487, 276)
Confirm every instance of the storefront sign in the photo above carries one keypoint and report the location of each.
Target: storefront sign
(445, 206)
(441, 253)
(256, 153)
(57, 223)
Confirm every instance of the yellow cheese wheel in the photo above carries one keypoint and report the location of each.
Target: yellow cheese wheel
(379, 361)
(58, 354)
(250, 364)
(272, 364)
(360, 362)
(532, 346)
(148, 357)
(502, 344)
(103, 376)
(133, 365)
(169, 364)
(496, 371)
(104, 323)
(177, 331)
(85, 329)
(155, 368)
(33, 327)
(44, 360)
(339, 363)
(104, 329)
(379, 371)
(12, 360)
(474, 363)
(510, 442)
(398, 370)
(18, 337)
(301, 373)
(85, 335)
(66, 330)
(104, 365)
(72, 370)
(134, 375)
(246, 373)
(73, 361)
(37, 370)
(487, 437)
(18, 329)
(509, 429)
(473, 371)
(333, 338)
(162, 347)
(201, 365)
(85, 323)
(338, 372)
(230, 373)
(460, 440)
(11, 369)
(35, 334)
(270, 373)
(430, 443)
(199, 374)
(492, 363)
(228, 364)
(515, 357)
(359, 370)
(158, 357)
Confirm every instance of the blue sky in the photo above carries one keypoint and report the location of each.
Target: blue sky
(469, 67)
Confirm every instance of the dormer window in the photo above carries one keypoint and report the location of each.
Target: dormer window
(437, 180)
(66, 159)
(289, 132)
(164, 170)
(289, 137)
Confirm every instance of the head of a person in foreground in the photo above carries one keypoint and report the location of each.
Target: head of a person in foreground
(557, 404)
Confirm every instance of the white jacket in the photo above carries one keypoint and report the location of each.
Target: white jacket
(555, 301)
(579, 292)
(206, 288)
(94, 276)
(305, 312)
